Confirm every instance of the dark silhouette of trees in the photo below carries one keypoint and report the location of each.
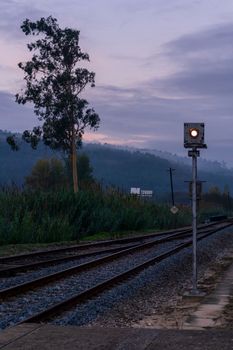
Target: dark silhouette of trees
(46, 175)
(54, 82)
(53, 174)
(85, 170)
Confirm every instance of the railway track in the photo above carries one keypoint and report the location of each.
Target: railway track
(11, 265)
(23, 287)
(12, 270)
(17, 259)
(18, 266)
(108, 283)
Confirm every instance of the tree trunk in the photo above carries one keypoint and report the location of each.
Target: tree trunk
(74, 163)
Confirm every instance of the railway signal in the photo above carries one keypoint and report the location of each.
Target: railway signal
(194, 135)
(194, 139)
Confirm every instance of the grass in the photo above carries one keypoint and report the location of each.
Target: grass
(33, 220)
(45, 217)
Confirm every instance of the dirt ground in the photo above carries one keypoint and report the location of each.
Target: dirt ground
(175, 314)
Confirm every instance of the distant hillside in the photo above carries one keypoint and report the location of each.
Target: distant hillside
(203, 164)
(14, 166)
(118, 167)
(134, 168)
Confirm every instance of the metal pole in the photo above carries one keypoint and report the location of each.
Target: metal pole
(229, 201)
(194, 212)
(171, 181)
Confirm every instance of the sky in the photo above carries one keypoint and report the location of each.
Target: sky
(158, 64)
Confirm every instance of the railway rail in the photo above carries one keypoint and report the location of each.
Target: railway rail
(87, 246)
(58, 308)
(23, 287)
(8, 270)
(13, 264)
(109, 283)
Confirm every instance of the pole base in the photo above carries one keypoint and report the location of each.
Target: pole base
(194, 295)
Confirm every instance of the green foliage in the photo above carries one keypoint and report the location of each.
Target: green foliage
(84, 167)
(47, 174)
(54, 80)
(216, 201)
(116, 167)
(11, 140)
(34, 217)
(85, 170)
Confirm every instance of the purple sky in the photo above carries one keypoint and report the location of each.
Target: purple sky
(158, 64)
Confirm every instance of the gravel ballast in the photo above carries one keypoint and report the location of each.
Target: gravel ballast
(17, 309)
(154, 290)
(124, 303)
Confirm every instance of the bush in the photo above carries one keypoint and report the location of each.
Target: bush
(36, 217)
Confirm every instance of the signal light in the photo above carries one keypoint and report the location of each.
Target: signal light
(194, 133)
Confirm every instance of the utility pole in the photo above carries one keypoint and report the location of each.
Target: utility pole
(171, 182)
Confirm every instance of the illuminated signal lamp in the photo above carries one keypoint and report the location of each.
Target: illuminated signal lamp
(194, 133)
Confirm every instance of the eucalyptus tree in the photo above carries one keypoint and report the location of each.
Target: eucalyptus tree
(54, 81)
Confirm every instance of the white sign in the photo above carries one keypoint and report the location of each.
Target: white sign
(146, 193)
(174, 210)
(135, 190)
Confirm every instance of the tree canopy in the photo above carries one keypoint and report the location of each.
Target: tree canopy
(85, 169)
(47, 174)
(54, 82)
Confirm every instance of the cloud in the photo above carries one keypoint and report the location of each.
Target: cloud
(13, 13)
(158, 6)
(15, 117)
(214, 39)
(204, 64)
(199, 90)
(151, 113)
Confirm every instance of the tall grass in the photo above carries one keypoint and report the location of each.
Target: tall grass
(36, 217)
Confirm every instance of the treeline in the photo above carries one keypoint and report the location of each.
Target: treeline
(46, 209)
(114, 167)
(54, 174)
(217, 201)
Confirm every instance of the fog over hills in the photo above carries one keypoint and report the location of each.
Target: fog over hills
(120, 166)
(203, 164)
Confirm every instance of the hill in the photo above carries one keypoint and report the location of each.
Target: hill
(120, 167)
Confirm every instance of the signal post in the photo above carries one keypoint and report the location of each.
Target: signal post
(194, 139)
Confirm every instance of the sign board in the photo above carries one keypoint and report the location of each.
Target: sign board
(135, 190)
(146, 193)
(174, 210)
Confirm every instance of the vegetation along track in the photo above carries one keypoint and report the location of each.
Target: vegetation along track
(108, 283)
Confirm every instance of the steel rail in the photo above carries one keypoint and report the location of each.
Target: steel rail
(9, 271)
(7, 259)
(41, 281)
(109, 283)
(12, 270)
